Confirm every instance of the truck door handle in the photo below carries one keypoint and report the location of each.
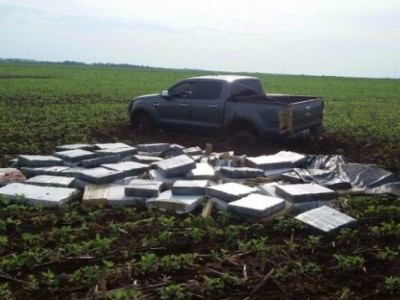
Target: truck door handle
(213, 106)
(308, 107)
(184, 104)
(155, 104)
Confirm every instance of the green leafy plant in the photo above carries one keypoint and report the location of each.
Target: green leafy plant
(91, 273)
(215, 233)
(291, 246)
(165, 236)
(222, 254)
(346, 234)
(174, 292)
(10, 223)
(114, 228)
(388, 254)
(285, 224)
(231, 235)
(349, 262)
(123, 294)
(88, 274)
(50, 278)
(174, 263)
(64, 234)
(148, 262)
(346, 294)
(296, 270)
(107, 263)
(95, 215)
(31, 239)
(256, 244)
(393, 284)
(312, 242)
(213, 284)
(32, 283)
(3, 240)
(223, 218)
(231, 279)
(386, 229)
(167, 222)
(197, 235)
(99, 245)
(5, 292)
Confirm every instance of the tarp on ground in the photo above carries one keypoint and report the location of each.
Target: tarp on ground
(335, 172)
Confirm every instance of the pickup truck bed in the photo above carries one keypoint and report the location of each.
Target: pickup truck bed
(278, 98)
(289, 113)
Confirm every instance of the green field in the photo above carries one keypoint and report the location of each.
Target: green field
(78, 252)
(43, 105)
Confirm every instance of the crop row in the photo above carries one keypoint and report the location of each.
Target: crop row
(133, 250)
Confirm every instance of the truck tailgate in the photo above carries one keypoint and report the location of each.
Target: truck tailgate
(301, 115)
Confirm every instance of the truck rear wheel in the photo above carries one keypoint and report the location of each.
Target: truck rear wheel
(143, 123)
(244, 137)
(315, 133)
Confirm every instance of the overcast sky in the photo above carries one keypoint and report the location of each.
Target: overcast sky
(315, 37)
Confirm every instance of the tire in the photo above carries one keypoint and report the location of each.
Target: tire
(244, 137)
(315, 133)
(142, 123)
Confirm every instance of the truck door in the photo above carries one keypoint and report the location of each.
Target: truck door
(207, 106)
(174, 110)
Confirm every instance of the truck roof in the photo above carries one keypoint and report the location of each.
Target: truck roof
(228, 78)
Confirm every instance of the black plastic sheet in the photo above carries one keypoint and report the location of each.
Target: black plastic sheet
(333, 171)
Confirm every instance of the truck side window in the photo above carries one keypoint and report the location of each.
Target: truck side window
(182, 90)
(208, 90)
(252, 84)
(242, 89)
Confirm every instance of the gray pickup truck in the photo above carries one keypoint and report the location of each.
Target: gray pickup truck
(230, 105)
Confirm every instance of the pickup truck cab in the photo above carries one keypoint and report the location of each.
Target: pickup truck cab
(227, 105)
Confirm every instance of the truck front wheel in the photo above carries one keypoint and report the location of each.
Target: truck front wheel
(143, 123)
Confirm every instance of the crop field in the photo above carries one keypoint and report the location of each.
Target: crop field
(43, 105)
(76, 252)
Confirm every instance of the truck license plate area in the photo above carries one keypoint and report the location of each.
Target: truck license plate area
(285, 118)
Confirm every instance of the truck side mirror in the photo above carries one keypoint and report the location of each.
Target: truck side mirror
(165, 94)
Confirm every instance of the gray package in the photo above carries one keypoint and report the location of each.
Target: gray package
(325, 219)
(143, 188)
(176, 165)
(189, 187)
(230, 191)
(297, 193)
